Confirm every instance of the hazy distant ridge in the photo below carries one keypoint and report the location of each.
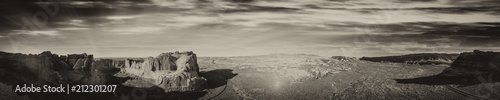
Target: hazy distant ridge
(421, 59)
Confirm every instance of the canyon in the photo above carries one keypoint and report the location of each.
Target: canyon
(183, 75)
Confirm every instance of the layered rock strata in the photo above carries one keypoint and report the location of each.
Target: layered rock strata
(176, 71)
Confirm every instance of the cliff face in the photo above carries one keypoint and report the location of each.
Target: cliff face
(164, 61)
(474, 64)
(45, 67)
(167, 61)
(421, 59)
(176, 71)
(101, 71)
(83, 62)
(185, 77)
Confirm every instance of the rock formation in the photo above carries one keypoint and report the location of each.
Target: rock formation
(172, 71)
(420, 59)
(477, 63)
(167, 61)
(344, 58)
(45, 67)
(100, 71)
(83, 61)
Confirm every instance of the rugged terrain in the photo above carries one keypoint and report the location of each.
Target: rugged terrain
(420, 59)
(177, 71)
(300, 76)
(314, 77)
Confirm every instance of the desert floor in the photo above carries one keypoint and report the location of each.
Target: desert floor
(301, 77)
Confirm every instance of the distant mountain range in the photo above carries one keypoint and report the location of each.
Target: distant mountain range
(420, 59)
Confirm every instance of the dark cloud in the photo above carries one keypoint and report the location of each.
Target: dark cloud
(12, 11)
(489, 31)
(493, 10)
(214, 26)
(208, 24)
(474, 35)
(428, 36)
(338, 0)
(480, 42)
(93, 12)
(290, 27)
(475, 3)
(459, 9)
(315, 6)
(410, 1)
(35, 15)
(462, 10)
(361, 11)
(241, 1)
(253, 8)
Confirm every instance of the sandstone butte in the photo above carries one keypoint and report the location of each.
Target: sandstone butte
(176, 71)
(172, 71)
(473, 64)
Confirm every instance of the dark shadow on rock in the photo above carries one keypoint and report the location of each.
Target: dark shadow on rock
(461, 80)
(12, 74)
(218, 77)
(215, 78)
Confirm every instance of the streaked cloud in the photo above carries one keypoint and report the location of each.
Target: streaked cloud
(36, 33)
(251, 27)
(72, 28)
(136, 30)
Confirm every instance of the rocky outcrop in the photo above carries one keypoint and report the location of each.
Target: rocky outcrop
(167, 61)
(51, 69)
(45, 67)
(420, 59)
(117, 63)
(344, 58)
(83, 61)
(185, 77)
(176, 71)
(135, 64)
(101, 71)
(477, 63)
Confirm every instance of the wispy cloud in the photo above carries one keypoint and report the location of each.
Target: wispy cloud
(136, 30)
(72, 28)
(249, 27)
(37, 33)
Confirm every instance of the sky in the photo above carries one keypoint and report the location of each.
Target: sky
(140, 28)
